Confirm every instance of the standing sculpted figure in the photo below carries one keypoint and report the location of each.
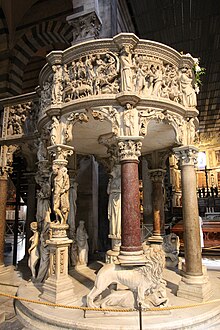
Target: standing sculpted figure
(57, 84)
(82, 244)
(114, 202)
(126, 69)
(128, 115)
(43, 205)
(61, 185)
(54, 130)
(186, 88)
(33, 250)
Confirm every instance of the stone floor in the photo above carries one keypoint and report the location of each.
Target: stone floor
(11, 279)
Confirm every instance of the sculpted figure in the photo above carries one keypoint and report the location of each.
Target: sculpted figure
(128, 115)
(158, 77)
(186, 88)
(43, 205)
(146, 282)
(114, 202)
(171, 245)
(44, 253)
(126, 69)
(82, 244)
(42, 151)
(57, 84)
(54, 130)
(61, 185)
(33, 250)
(140, 79)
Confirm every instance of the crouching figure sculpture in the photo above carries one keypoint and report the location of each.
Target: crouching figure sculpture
(145, 282)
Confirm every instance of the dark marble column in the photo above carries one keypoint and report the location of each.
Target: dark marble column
(131, 251)
(157, 177)
(3, 201)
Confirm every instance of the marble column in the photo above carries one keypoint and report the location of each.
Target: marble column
(3, 201)
(58, 288)
(131, 251)
(30, 209)
(194, 284)
(157, 177)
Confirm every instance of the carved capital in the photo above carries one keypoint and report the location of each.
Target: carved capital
(60, 152)
(157, 175)
(186, 155)
(129, 150)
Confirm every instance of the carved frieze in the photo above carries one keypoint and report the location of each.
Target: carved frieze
(20, 119)
(129, 68)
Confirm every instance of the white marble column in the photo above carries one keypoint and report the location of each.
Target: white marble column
(194, 284)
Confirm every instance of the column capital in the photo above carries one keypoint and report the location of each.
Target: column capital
(187, 155)
(129, 149)
(60, 152)
(157, 174)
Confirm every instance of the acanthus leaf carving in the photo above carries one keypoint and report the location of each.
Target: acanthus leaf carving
(129, 149)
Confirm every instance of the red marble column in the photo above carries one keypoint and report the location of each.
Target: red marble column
(3, 201)
(131, 252)
(130, 226)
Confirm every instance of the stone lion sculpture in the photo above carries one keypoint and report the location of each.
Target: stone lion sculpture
(145, 282)
(171, 245)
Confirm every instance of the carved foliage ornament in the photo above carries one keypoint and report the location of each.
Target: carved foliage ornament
(186, 155)
(174, 120)
(129, 150)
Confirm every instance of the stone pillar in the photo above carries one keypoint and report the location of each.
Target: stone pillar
(58, 288)
(157, 177)
(131, 251)
(194, 284)
(3, 201)
(30, 209)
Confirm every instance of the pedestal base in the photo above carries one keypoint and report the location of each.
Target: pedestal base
(134, 258)
(58, 291)
(111, 257)
(196, 288)
(155, 239)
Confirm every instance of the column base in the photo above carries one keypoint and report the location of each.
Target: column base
(58, 291)
(155, 239)
(134, 258)
(196, 288)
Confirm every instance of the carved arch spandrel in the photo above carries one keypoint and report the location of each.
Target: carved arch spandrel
(165, 116)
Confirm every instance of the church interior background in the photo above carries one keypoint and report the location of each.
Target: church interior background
(30, 30)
